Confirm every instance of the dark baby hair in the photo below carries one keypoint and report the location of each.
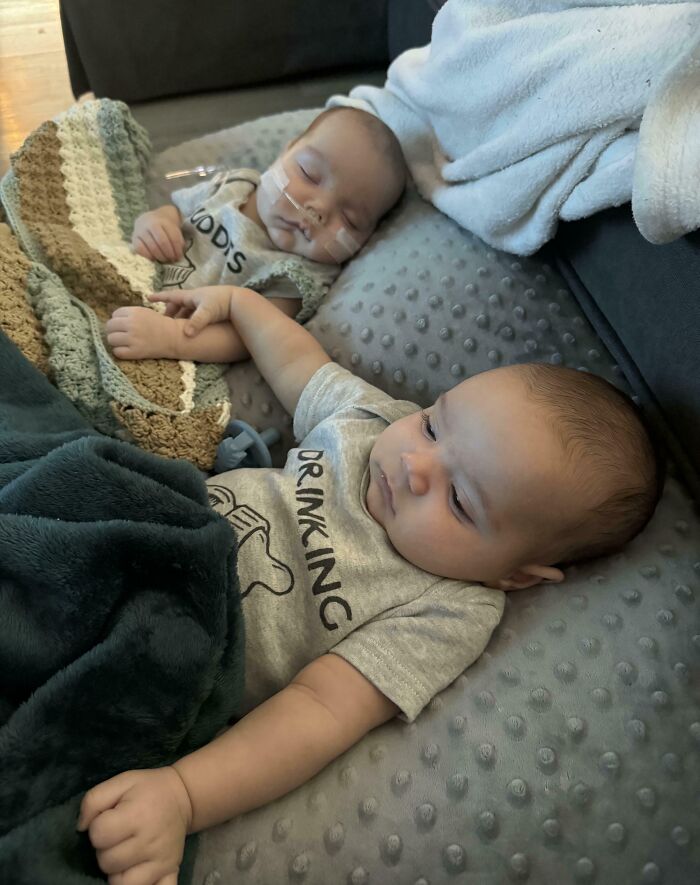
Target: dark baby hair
(605, 436)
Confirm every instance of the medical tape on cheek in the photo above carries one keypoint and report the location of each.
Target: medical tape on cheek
(274, 181)
(342, 246)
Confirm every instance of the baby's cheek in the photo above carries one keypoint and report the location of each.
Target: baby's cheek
(283, 239)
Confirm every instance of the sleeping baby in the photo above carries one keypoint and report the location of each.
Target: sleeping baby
(284, 234)
(373, 565)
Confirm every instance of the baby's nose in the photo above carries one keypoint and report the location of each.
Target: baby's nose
(418, 472)
(313, 215)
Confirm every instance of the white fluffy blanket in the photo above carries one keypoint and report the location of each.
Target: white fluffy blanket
(523, 112)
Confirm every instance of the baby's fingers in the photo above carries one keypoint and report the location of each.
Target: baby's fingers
(178, 243)
(199, 320)
(171, 243)
(139, 876)
(158, 243)
(173, 302)
(113, 828)
(100, 798)
(140, 248)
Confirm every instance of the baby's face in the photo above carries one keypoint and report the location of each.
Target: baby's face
(473, 487)
(338, 173)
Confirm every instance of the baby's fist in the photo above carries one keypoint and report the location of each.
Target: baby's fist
(158, 236)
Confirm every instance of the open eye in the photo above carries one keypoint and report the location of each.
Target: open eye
(456, 503)
(427, 426)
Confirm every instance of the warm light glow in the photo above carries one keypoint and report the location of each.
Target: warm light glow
(34, 84)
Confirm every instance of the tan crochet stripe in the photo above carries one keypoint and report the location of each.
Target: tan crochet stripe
(86, 273)
(159, 381)
(94, 280)
(17, 319)
(38, 165)
(194, 436)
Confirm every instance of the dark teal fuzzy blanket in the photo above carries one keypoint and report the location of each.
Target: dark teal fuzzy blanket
(121, 635)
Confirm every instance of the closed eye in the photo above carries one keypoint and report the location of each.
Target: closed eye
(307, 175)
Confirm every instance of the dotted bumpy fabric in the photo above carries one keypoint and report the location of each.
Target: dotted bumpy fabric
(570, 752)
(72, 195)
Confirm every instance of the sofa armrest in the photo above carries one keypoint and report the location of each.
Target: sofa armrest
(642, 301)
(137, 51)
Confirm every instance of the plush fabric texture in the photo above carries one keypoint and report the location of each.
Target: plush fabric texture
(72, 194)
(523, 112)
(121, 636)
(570, 751)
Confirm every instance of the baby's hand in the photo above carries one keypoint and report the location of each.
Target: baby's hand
(158, 236)
(137, 823)
(210, 304)
(139, 333)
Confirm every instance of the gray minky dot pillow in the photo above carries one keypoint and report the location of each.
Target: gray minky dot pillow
(569, 752)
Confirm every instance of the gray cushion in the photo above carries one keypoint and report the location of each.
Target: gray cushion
(569, 751)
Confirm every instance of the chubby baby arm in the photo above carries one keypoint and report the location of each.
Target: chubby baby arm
(286, 354)
(138, 820)
(136, 333)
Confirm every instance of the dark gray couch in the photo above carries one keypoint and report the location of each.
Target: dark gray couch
(569, 752)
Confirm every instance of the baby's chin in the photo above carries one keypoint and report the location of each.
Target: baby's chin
(282, 238)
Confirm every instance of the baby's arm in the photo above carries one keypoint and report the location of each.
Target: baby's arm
(139, 818)
(284, 352)
(158, 234)
(137, 333)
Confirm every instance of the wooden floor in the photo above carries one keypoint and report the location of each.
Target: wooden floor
(34, 84)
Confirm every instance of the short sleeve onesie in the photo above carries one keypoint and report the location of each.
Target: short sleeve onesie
(318, 574)
(223, 246)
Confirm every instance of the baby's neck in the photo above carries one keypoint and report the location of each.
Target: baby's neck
(250, 210)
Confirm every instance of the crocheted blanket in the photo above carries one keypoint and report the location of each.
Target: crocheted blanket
(71, 197)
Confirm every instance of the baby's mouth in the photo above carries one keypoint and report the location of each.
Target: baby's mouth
(295, 225)
(387, 493)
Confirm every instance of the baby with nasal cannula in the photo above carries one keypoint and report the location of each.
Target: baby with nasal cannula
(284, 233)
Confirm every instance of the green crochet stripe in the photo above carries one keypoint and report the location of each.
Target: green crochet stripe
(127, 150)
(74, 368)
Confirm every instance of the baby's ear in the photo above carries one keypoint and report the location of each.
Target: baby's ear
(530, 576)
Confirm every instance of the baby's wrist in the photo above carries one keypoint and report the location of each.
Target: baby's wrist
(178, 343)
(184, 798)
(235, 294)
